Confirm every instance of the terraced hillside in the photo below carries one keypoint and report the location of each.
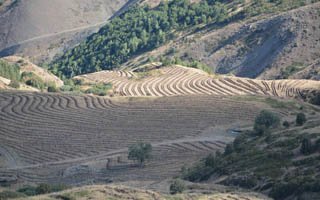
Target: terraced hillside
(70, 139)
(179, 80)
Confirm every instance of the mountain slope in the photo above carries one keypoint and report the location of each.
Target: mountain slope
(241, 37)
(27, 24)
(275, 47)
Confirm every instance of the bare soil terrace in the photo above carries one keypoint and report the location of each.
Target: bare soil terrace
(70, 139)
(178, 80)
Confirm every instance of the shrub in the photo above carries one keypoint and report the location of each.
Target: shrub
(283, 190)
(317, 145)
(306, 146)
(177, 186)
(140, 152)
(65, 197)
(212, 160)
(14, 84)
(10, 195)
(52, 89)
(242, 181)
(264, 121)
(286, 124)
(43, 188)
(99, 89)
(33, 80)
(28, 190)
(9, 71)
(229, 149)
(301, 119)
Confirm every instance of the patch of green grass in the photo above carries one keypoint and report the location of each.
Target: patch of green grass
(82, 193)
(275, 103)
(100, 89)
(9, 71)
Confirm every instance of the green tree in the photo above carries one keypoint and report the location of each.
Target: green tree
(140, 152)
(177, 186)
(265, 121)
(306, 146)
(301, 119)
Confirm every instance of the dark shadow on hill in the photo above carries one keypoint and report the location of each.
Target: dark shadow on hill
(9, 51)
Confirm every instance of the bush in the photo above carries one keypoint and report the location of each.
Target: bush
(286, 124)
(283, 190)
(33, 80)
(10, 195)
(264, 121)
(306, 146)
(177, 186)
(14, 84)
(28, 190)
(52, 89)
(140, 152)
(301, 119)
(229, 149)
(41, 189)
(317, 145)
(9, 71)
(99, 89)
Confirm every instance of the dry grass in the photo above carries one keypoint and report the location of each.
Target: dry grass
(115, 192)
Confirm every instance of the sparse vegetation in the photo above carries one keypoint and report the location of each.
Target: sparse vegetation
(43, 188)
(99, 89)
(259, 161)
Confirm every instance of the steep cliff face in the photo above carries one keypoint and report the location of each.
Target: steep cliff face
(34, 27)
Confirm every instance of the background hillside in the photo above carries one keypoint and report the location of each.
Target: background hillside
(40, 29)
(247, 38)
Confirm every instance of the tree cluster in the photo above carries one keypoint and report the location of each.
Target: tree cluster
(136, 31)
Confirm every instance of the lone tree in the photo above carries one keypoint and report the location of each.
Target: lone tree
(264, 121)
(140, 152)
(301, 119)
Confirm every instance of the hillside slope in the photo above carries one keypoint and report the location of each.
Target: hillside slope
(275, 47)
(285, 45)
(247, 38)
(282, 163)
(32, 27)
